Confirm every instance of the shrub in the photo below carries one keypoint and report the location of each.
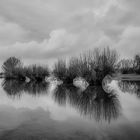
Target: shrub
(92, 66)
(103, 62)
(79, 67)
(76, 67)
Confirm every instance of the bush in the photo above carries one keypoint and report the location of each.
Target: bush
(103, 62)
(92, 66)
(80, 67)
(76, 67)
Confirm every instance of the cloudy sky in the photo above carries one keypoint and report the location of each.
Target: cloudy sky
(41, 30)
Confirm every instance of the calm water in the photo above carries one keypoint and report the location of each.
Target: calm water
(43, 112)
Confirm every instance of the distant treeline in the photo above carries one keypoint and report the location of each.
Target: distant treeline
(93, 66)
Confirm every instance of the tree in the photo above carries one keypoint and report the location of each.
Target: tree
(10, 65)
(137, 63)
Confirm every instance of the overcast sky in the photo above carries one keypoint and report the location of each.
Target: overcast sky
(40, 30)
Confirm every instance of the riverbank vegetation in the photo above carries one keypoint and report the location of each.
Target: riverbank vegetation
(14, 69)
(92, 65)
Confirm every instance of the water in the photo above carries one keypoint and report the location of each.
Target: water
(43, 112)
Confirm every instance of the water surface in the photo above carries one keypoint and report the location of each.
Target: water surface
(44, 112)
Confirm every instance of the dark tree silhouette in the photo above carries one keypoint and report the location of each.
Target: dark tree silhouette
(137, 64)
(10, 66)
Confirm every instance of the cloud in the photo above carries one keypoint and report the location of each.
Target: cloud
(40, 17)
(10, 33)
(130, 42)
(59, 42)
(48, 29)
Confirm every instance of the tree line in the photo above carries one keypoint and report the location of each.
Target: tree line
(92, 65)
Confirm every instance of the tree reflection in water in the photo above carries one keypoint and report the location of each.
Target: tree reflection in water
(93, 102)
(132, 87)
(15, 88)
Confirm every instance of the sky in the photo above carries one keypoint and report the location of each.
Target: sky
(41, 31)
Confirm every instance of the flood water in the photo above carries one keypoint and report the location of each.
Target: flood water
(45, 112)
